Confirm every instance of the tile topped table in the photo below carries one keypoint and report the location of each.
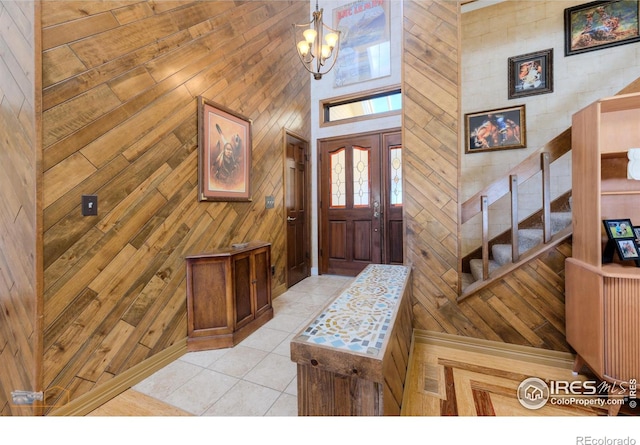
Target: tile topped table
(352, 358)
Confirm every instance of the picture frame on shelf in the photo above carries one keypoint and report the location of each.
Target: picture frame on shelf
(224, 153)
(619, 228)
(600, 24)
(497, 129)
(531, 74)
(627, 249)
(636, 232)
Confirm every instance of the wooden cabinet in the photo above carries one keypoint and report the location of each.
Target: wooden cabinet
(228, 295)
(603, 300)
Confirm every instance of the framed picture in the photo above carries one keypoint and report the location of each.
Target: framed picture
(618, 228)
(599, 25)
(627, 249)
(224, 154)
(365, 41)
(531, 74)
(499, 129)
(636, 232)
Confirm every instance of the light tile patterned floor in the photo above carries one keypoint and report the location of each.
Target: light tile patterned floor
(257, 376)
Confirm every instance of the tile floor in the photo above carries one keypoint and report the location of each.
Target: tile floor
(257, 376)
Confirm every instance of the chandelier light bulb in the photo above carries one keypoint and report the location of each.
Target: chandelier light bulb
(326, 51)
(331, 39)
(303, 48)
(310, 35)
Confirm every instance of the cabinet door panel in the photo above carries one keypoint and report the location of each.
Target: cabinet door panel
(242, 282)
(209, 296)
(263, 282)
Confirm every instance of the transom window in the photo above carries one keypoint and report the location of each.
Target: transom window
(364, 106)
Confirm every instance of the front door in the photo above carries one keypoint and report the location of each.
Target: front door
(354, 201)
(296, 208)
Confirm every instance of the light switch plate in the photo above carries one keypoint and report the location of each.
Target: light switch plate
(269, 202)
(89, 205)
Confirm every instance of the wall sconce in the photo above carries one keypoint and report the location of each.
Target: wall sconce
(317, 54)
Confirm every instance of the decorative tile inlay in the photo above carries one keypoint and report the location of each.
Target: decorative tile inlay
(358, 319)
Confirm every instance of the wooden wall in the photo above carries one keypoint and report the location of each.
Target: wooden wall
(431, 107)
(527, 306)
(120, 88)
(19, 221)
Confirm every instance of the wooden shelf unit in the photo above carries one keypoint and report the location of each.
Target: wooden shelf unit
(228, 295)
(603, 300)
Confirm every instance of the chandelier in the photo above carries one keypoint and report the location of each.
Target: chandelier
(317, 55)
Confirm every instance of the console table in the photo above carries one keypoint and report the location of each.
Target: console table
(228, 295)
(353, 358)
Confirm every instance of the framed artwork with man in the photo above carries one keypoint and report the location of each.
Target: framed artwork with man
(224, 154)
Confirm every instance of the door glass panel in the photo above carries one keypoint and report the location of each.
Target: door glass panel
(396, 176)
(338, 179)
(361, 186)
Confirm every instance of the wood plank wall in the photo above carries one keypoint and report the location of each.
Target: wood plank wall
(431, 107)
(120, 83)
(527, 306)
(19, 222)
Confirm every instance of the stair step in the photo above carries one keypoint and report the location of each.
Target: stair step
(467, 279)
(501, 253)
(527, 239)
(476, 268)
(560, 220)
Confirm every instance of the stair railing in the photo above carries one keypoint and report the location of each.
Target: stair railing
(531, 166)
(538, 162)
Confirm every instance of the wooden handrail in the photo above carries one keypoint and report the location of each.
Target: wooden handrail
(556, 148)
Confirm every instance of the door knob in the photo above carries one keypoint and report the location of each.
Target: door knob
(290, 219)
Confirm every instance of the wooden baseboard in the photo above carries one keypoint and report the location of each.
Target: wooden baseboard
(278, 290)
(526, 353)
(120, 383)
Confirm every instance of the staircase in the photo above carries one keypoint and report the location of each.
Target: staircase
(530, 241)
(500, 258)
(525, 240)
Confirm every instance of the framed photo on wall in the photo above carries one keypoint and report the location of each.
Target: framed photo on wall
(599, 25)
(224, 154)
(498, 129)
(531, 74)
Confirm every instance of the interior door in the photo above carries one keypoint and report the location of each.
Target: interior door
(296, 208)
(350, 202)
